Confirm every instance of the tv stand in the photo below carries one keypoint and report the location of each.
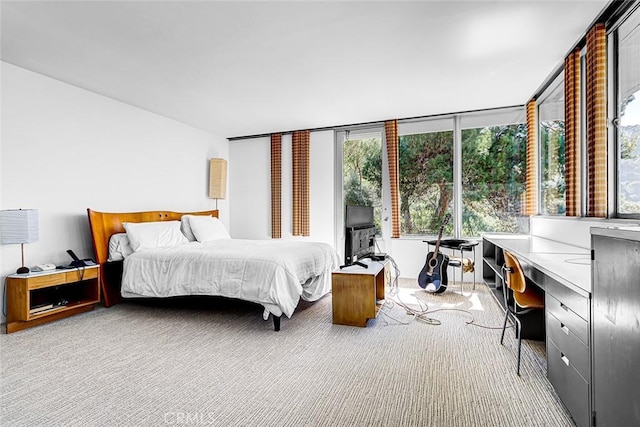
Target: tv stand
(358, 263)
(358, 293)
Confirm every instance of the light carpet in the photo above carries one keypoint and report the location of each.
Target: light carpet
(216, 362)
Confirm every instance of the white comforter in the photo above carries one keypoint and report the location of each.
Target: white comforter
(272, 273)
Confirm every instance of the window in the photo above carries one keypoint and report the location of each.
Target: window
(628, 129)
(485, 184)
(552, 148)
(362, 172)
(425, 157)
(493, 147)
(493, 172)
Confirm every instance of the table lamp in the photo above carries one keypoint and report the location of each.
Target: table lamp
(19, 226)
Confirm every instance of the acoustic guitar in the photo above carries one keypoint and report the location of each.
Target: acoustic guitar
(433, 276)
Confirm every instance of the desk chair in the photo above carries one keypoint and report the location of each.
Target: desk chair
(518, 299)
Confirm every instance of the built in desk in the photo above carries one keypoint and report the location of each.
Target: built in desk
(563, 272)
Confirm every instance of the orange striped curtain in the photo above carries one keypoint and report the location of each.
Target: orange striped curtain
(596, 105)
(572, 132)
(531, 199)
(276, 185)
(300, 157)
(391, 135)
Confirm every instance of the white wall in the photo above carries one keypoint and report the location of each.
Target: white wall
(65, 149)
(573, 231)
(250, 188)
(2, 269)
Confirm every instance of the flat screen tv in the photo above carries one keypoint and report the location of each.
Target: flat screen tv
(358, 216)
(359, 233)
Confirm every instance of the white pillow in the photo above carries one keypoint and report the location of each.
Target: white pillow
(149, 235)
(119, 247)
(207, 228)
(186, 228)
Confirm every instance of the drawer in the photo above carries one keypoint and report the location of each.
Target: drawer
(578, 303)
(572, 389)
(569, 345)
(576, 324)
(78, 275)
(38, 282)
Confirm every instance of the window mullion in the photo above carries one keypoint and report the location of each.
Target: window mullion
(457, 178)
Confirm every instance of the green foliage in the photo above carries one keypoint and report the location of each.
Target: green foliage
(493, 178)
(552, 164)
(426, 181)
(362, 174)
(629, 170)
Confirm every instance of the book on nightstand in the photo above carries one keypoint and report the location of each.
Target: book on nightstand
(40, 308)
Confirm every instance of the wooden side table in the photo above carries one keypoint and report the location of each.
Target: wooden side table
(36, 298)
(358, 292)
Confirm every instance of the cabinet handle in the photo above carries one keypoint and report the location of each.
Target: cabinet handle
(564, 328)
(564, 307)
(564, 359)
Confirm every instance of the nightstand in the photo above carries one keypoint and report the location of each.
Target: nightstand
(36, 298)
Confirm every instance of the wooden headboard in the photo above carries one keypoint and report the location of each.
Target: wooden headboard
(105, 224)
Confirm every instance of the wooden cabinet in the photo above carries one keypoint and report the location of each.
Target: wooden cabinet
(358, 293)
(37, 298)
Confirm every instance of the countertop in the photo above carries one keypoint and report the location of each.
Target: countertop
(570, 265)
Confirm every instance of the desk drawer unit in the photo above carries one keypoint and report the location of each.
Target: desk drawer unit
(568, 318)
(568, 352)
(577, 303)
(572, 389)
(573, 349)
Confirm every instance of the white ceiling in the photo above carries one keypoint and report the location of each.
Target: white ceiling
(243, 68)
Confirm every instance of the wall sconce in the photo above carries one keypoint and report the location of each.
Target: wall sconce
(217, 179)
(19, 226)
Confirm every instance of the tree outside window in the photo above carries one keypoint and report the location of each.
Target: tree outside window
(426, 182)
(494, 179)
(552, 149)
(362, 175)
(493, 174)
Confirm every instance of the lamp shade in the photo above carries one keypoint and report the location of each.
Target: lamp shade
(18, 226)
(218, 179)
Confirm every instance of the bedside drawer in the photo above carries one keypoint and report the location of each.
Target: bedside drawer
(78, 275)
(569, 345)
(572, 389)
(44, 281)
(576, 324)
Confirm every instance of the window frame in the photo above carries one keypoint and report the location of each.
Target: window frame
(556, 82)
(613, 134)
(457, 127)
(455, 148)
(339, 136)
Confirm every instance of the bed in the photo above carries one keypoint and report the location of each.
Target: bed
(273, 273)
